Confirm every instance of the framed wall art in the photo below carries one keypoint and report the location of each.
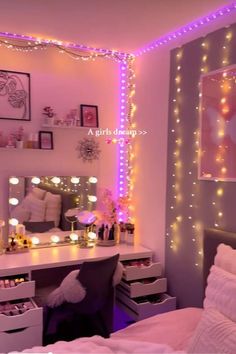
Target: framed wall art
(217, 153)
(45, 140)
(89, 116)
(14, 95)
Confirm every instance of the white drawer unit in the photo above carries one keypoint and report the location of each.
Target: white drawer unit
(16, 287)
(141, 309)
(21, 325)
(142, 291)
(144, 287)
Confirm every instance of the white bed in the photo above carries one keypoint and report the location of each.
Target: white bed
(190, 330)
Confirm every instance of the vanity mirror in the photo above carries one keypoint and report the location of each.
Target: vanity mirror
(40, 203)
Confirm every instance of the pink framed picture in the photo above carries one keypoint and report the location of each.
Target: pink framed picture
(45, 140)
(89, 116)
(217, 154)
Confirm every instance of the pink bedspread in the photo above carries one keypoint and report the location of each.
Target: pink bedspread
(173, 328)
(165, 333)
(99, 345)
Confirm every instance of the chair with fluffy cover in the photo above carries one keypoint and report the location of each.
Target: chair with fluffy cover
(82, 306)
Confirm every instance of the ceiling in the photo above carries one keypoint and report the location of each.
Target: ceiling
(115, 24)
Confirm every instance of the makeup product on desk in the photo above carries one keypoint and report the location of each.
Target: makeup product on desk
(111, 233)
(101, 232)
(130, 233)
(116, 232)
(122, 232)
(106, 233)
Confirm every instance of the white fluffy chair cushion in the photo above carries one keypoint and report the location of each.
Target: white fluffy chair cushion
(71, 290)
(215, 333)
(35, 206)
(53, 207)
(226, 258)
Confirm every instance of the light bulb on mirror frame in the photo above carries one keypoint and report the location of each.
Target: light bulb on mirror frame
(35, 240)
(55, 239)
(14, 180)
(74, 237)
(92, 235)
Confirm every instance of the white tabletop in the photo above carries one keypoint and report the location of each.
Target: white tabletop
(66, 255)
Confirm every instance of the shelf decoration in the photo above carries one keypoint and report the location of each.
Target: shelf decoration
(88, 149)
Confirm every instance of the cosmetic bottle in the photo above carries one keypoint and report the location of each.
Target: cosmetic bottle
(130, 234)
(111, 233)
(122, 232)
(116, 232)
(101, 232)
(30, 141)
(106, 233)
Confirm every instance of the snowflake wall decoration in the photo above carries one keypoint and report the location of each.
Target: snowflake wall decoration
(88, 149)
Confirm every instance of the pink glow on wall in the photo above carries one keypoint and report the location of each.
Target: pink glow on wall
(192, 26)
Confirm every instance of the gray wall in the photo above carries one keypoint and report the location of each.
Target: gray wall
(197, 204)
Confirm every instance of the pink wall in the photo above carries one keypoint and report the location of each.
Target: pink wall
(150, 184)
(64, 84)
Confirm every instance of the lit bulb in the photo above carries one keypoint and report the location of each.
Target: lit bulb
(13, 201)
(14, 180)
(92, 235)
(35, 180)
(92, 198)
(55, 238)
(220, 192)
(56, 180)
(74, 180)
(13, 222)
(93, 179)
(74, 236)
(35, 240)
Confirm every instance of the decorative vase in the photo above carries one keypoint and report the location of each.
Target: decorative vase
(19, 144)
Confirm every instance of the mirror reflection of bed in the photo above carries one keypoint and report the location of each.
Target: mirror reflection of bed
(40, 203)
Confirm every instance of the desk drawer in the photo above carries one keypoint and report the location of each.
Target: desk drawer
(141, 270)
(144, 287)
(146, 308)
(10, 321)
(20, 290)
(21, 339)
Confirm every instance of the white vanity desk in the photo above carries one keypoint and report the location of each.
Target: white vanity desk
(24, 330)
(44, 258)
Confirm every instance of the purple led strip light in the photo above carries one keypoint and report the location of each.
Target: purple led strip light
(63, 44)
(122, 187)
(188, 28)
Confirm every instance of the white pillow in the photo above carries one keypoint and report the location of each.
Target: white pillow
(20, 213)
(38, 192)
(221, 292)
(35, 206)
(215, 333)
(226, 258)
(53, 208)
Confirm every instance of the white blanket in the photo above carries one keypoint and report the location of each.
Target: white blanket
(98, 344)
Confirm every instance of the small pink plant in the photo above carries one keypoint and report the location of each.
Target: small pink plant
(111, 207)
